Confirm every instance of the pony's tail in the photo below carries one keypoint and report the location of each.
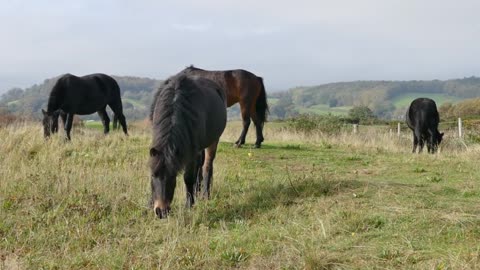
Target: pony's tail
(261, 106)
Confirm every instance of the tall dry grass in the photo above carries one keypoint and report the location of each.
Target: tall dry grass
(302, 202)
(373, 137)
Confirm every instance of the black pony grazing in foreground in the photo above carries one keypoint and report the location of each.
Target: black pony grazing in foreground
(83, 95)
(422, 118)
(188, 115)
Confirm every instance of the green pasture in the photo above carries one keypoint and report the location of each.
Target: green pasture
(11, 103)
(135, 103)
(325, 109)
(405, 99)
(299, 202)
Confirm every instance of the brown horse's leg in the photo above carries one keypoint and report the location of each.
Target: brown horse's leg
(259, 130)
(246, 125)
(208, 169)
(105, 120)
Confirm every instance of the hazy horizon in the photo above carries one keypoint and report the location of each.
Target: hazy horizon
(288, 44)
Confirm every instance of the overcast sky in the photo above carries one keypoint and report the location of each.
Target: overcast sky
(289, 43)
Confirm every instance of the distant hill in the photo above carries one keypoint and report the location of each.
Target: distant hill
(387, 99)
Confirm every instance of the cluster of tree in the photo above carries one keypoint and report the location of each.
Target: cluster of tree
(361, 115)
(467, 108)
(377, 95)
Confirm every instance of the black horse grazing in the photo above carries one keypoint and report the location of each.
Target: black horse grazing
(422, 118)
(188, 116)
(83, 95)
(245, 88)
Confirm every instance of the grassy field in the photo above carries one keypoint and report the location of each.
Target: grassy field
(325, 109)
(406, 99)
(300, 202)
(135, 103)
(11, 103)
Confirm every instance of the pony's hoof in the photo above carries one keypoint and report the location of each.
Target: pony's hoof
(257, 145)
(237, 145)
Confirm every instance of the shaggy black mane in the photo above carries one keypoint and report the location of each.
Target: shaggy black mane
(174, 125)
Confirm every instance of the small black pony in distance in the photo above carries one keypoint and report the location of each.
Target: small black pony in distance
(188, 115)
(422, 118)
(83, 95)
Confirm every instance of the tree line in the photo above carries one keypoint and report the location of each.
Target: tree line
(378, 96)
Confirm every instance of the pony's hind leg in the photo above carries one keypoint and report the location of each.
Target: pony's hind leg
(199, 172)
(123, 122)
(105, 120)
(208, 169)
(118, 113)
(115, 122)
(189, 178)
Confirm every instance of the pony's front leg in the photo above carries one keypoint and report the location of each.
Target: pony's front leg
(63, 115)
(105, 120)
(415, 143)
(68, 125)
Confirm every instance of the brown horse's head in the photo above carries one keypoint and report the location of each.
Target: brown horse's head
(163, 186)
(50, 123)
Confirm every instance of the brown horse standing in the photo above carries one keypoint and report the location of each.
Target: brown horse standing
(245, 88)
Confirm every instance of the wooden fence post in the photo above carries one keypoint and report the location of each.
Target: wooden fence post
(398, 130)
(355, 128)
(460, 134)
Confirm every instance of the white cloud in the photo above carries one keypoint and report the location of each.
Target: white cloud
(287, 42)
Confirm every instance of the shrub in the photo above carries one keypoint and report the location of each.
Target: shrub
(308, 123)
(361, 114)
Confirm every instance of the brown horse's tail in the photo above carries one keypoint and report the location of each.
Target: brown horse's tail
(261, 106)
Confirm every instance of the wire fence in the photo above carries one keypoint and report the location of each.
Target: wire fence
(460, 128)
